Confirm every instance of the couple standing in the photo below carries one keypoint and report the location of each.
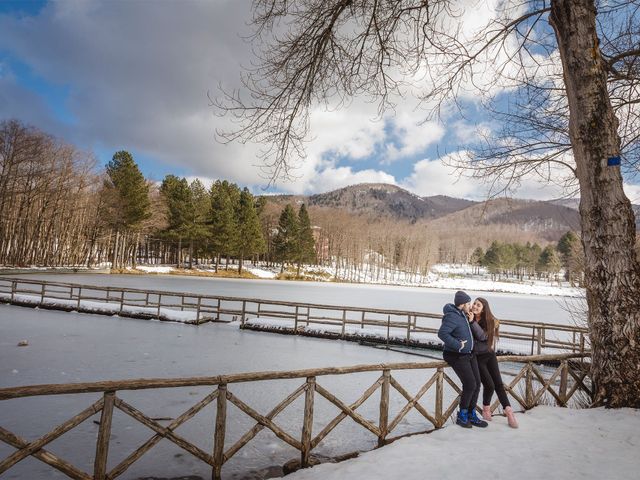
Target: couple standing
(469, 332)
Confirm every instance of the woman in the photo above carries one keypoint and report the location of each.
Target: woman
(485, 329)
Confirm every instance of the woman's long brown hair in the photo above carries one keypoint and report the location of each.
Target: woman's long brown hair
(489, 323)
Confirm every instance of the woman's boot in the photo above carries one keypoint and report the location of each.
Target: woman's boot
(486, 412)
(511, 417)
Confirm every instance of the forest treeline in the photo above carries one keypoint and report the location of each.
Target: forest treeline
(59, 208)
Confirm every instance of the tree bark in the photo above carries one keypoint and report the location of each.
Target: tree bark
(608, 227)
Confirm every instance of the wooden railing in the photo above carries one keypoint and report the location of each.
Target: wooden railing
(560, 387)
(392, 326)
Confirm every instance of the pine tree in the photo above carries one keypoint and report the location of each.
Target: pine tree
(477, 258)
(131, 191)
(250, 239)
(549, 261)
(567, 248)
(306, 243)
(285, 241)
(223, 220)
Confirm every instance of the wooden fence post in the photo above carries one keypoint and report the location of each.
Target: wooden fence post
(540, 339)
(159, 303)
(388, 328)
(244, 313)
(218, 311)
(221, 425)
(384, 406)
(104, 433)
(439, 397)
(528, 394)
(408, 329)
(198, 309)
(121, 300)
(79, 297)
(307, 425)
(564, 375)
(344, 322)
(362, 320)
(13, 290)
(295, 322)
(44, 286)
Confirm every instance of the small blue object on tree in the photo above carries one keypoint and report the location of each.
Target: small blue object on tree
(613, 161)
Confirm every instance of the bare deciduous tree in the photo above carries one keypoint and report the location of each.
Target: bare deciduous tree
(326, 51)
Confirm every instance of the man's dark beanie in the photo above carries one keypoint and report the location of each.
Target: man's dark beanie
(461, 298)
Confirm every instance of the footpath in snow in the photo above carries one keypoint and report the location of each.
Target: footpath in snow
(551, 443)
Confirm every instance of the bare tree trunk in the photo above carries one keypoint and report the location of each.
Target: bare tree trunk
(612, 270)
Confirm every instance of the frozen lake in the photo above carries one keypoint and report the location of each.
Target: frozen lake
(534, 308)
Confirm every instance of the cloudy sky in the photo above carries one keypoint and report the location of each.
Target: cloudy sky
(134, 75)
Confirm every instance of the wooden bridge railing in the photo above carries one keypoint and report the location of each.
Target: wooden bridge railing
(560, 387)
(397, 326)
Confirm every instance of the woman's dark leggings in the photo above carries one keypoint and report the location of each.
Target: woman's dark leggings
(466, 367)
(491, 379)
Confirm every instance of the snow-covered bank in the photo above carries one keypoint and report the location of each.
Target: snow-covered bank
(554, 443)
(441, 276)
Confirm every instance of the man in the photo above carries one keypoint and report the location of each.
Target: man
(458, 353)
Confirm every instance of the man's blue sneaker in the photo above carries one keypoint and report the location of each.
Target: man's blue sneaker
(463, 419)
(475, 421)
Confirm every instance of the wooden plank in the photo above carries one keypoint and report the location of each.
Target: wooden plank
(219, 435)
(45, 456)
(32, 447)
(163, 431)
(546, 384)
(139, 452)
(307, 422)
(281, 434)
(341, 416)
(346, 409)
(563, 383)
(104, 433)
(412, 402)
(247, 437)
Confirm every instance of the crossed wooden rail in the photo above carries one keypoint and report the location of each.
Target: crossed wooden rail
(572, 373)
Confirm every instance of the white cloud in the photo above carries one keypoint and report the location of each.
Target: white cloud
(434, 177)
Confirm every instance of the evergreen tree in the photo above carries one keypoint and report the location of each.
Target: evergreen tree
(223, 220)
(131, 192)
(250, 239)
(567, 246)
(306, 243)
(477, 258)
(175, 192)
(549, 261)
(286, 240)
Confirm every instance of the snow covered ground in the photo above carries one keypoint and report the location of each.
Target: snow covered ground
(446, 276)
(552, 443)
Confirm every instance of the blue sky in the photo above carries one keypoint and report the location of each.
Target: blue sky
(135, 75)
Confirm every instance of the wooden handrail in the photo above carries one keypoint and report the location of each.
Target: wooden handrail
(153, 383)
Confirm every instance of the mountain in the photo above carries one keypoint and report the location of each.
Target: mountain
(378, 199)
(549, 219)
(545, 218)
